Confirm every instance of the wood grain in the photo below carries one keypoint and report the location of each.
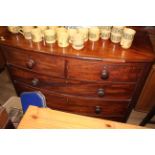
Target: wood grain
(141, 50)
(102, 80)
(113, 110)
(49, 65)
(92, 70)
(147, 97)
(37, 118)
(79, 88)
(2, 60)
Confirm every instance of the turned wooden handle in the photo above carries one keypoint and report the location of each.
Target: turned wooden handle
(30, 64)
(35, 82)
(98, 109)
(100, 92)
(105, 74)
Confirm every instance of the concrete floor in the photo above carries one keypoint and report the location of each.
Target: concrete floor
(7, 90)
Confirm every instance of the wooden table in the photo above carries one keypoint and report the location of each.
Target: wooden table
(45, 118)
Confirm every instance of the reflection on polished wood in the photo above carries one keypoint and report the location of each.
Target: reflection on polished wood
(102, 80)
(140, 51)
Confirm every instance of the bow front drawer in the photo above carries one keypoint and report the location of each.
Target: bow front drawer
(37, 62)
(78, 88)
(52, 99)
(97, 107)
(102, 71)
(105, 90)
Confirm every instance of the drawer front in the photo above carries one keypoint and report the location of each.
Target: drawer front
(104, 90)
(51, 98)
(89, 107)
(97, 108)
(100, 90)
(37, 62)
(38, 80)
(102, 71)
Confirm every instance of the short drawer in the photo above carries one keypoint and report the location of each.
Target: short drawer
(100, 90)
(38, 80)
(37, 62)
(102, 71)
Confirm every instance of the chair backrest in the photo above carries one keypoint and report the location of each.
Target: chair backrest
(32, 98)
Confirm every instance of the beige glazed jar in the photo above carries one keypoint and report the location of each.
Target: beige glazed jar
(84, 32)
(105, 32)
(94, 34)
(50, 36)
(36, 35)
(127, 38)
(26, 31)
(78, 41)
(14, 29)
(71, 33)
(63, 39)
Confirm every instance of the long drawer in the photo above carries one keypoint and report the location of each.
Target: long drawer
(84, 106)
(37, 62)
(51, 98)
(102, 71)
(78, 88)
(97, 107)
(110, 91)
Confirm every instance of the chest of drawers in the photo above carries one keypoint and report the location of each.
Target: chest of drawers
(102, 80)
(2, 61)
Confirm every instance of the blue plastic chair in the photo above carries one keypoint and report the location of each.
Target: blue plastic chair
(32, 98)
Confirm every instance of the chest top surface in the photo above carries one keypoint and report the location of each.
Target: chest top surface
(140, 51)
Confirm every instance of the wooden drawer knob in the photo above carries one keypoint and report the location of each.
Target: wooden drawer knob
(104, 74)
(98, 109)
(30, 64)
(35, 82)
(101, 92)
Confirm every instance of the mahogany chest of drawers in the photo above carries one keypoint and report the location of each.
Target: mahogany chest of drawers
(2, 61)
(102, 80)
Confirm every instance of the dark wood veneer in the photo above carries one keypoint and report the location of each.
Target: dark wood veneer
(102, 80)
(92, 71)
(49, 65)
(80, 88)
(79, 105)
(2, 61)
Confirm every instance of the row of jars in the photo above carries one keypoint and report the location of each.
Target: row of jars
(76, 36)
